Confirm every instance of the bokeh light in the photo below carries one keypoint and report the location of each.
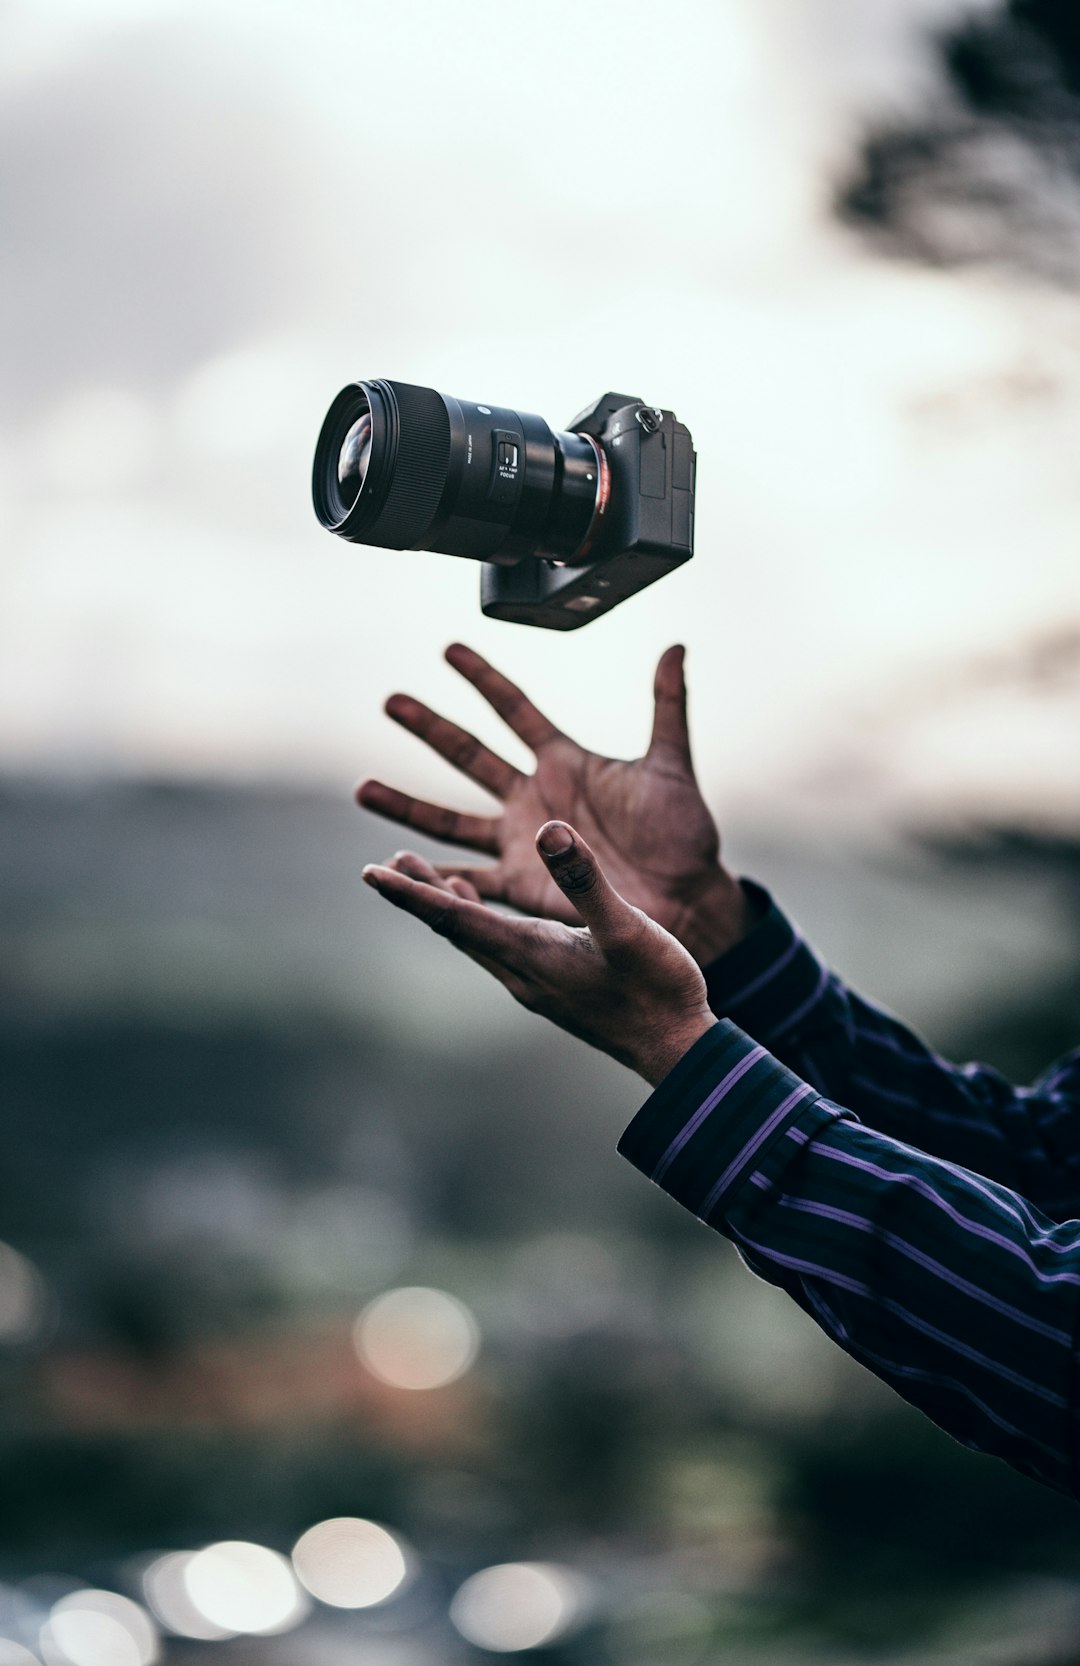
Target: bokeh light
(245, 1588)
(20, 1620)
(417, 1337)
(349, 1563)
(99, 1628)
(22, 1296)
(13, 1654)
(517, 1605)
(166, 1591)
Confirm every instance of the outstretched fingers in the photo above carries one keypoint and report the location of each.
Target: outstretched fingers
(514, 707)
(418, 867)
(450, 827)
(463, 888)
(456, 745)
(671, 732)
(488, 883)
(493, 939)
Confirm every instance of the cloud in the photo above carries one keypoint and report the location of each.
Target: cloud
(989, 171)
(154, 212)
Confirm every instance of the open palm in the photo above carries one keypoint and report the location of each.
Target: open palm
(646, 820)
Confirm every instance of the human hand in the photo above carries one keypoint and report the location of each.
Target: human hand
(621, 983)
(645, 819)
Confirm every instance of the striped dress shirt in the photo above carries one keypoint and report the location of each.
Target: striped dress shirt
(916, 1209)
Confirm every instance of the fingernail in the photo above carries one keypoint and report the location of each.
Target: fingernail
(556, 839)
(371, 876)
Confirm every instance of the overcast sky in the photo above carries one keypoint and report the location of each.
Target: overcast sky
(216, 214)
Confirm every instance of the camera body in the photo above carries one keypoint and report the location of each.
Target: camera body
(648, 523)
(566, 524)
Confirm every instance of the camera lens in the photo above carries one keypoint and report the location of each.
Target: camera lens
(353, 459)
(406, 467)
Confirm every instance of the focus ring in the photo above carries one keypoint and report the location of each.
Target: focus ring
(420, 468)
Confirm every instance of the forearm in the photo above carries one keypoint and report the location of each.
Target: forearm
(776, 989)
(949, 1287)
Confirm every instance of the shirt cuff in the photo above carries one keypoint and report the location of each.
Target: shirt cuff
(728, 1115)
(771, 980)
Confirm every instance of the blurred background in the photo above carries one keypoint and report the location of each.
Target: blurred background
(332, 1329)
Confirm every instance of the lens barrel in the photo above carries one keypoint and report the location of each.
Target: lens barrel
(438, 473)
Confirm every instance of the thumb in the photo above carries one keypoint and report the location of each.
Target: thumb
(576, 871)
(670, 732)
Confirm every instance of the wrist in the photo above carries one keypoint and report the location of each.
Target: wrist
(721, 916)
(658, 1056)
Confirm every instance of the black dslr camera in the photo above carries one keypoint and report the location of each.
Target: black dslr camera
(567, 524)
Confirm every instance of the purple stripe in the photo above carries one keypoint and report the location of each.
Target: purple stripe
(767, 976)
(1011, 1202)
(925, 1056)
(735, 1167)
(829, 1276)
(687, 1133)
(808, 1006)
(827, 1212)
(967, 1352)
(1052, 1077)
(923, 1187)
(1032, 1219)
(1062, 1109)
(916, 1103)
(833, 1325)
(890, 1094)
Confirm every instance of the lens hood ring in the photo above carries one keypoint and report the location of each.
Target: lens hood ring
(347, 518)
(407, 469)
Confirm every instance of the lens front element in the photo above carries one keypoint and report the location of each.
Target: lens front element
(353, 459)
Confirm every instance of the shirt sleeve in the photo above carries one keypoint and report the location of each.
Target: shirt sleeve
(948, 1286)
(774, 987)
